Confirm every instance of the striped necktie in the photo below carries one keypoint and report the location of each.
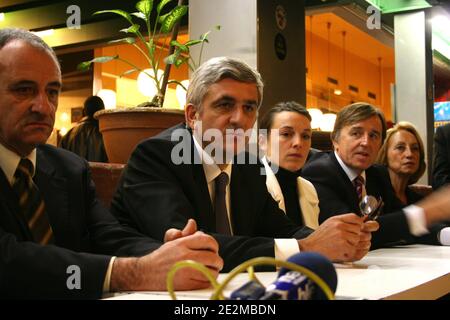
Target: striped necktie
(31, 203)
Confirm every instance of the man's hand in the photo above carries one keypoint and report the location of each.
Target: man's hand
(150, 272)
(363, 246)
(337, 238)
(436, 206)
(173, 233)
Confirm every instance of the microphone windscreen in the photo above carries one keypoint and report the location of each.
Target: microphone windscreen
(318, 264)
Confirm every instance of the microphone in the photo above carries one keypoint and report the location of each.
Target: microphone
(252, 290)
(293, 285)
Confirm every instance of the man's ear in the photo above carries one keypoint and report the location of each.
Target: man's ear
(191, 115)
(335, 145)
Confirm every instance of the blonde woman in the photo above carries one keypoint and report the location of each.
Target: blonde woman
(404, 157)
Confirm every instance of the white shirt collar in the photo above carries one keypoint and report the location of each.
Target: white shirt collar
(9, 160)
(351, 173)
(209, 166)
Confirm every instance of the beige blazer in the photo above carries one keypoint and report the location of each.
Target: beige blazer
(309, 201)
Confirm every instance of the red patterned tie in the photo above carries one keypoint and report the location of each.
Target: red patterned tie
(31, 203)
(359, 185)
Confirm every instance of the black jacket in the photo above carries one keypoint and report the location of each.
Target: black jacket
(156, 194)
(441, 156)
(86, 234)
(86, 141)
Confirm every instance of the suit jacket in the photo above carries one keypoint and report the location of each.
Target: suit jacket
(158, 192)
(86, 234)
(307, 196)
(337, 195)
(441, 156)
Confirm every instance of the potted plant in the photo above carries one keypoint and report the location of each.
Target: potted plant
(122, 129)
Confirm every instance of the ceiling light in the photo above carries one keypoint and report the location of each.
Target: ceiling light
(44, 33)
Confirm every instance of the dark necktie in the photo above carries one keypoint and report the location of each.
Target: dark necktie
(359, 185)
(31, 204)
(220, 205)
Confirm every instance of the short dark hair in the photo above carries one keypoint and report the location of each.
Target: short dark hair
(289, 106)
(8, 35)
(354, 113)
(92, 105)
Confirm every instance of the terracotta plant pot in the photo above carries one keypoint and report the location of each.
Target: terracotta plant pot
(123, 129)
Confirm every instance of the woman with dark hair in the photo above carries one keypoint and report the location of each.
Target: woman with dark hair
(85, 139)
(404, 157)
(285, 138)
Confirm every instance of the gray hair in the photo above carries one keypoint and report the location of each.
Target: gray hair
(8, 35)
(217, 69)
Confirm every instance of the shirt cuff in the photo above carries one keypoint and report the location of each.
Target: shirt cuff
(284, 248)
(107, 281)
(415, 216)
(444, 236)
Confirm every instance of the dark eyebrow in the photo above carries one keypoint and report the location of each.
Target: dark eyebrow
(224, 98)
(55, 84)
(33, 83)
(22, 83)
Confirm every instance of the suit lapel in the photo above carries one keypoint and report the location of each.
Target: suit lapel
(203, 199)
(201, 191)
(54, 190)
(10, 211)
(348, 189)
(241, 211)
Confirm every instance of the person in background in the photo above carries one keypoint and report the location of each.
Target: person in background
(85, 139)
(51, 223)
(441, 156)
(343, 177)
(289, 125)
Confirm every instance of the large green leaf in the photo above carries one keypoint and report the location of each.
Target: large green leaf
(180, 61)
(161, 5)
(122, 13)
(128, 40)
(128, 72)
(173, 17)
(133, 29)
(140, 15)
(191, 43)
(171, 59)
(145, 6)
(87, 64)
(180, 46)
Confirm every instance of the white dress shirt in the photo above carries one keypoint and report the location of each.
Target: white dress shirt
(284, 248)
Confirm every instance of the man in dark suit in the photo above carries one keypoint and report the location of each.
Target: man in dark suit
(357, 137)
(176, 175)
(56, 240)
(441, 156)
